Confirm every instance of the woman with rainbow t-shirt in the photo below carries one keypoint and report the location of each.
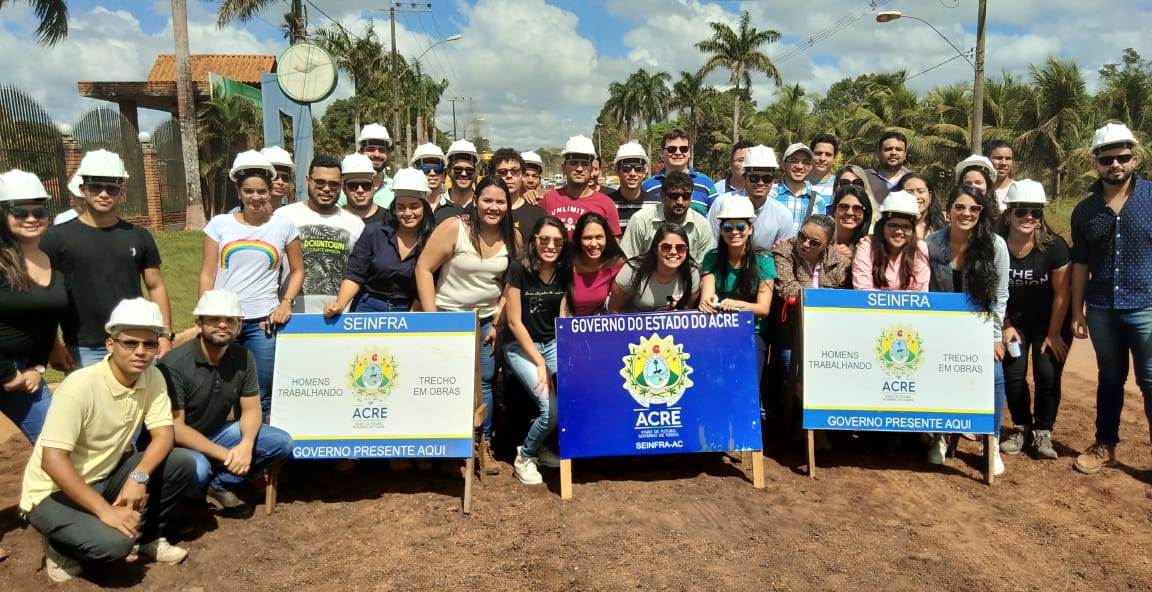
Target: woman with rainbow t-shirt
(244, 253)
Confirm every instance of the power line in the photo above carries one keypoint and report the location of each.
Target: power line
(338, 24)
(931, 68)
(451, 68)
(831, 30)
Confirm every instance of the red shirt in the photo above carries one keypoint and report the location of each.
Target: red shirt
(569, 210)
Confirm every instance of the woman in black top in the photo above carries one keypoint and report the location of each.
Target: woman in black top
(534, 297)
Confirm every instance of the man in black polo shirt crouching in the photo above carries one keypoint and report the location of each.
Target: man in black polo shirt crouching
(207, 378)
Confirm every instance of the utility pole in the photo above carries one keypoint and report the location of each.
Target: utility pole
(978, 85)
(186, 114)
(453, 101)
(392, 10)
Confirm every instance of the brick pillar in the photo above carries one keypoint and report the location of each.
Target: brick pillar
(152, 186)
(73, 154)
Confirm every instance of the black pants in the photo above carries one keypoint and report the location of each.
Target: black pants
(74, 531)
(1046, 372)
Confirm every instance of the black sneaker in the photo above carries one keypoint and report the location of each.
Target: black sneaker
(227, 502)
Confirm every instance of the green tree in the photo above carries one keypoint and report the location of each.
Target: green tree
(688, 93)
(231, 11)
(225, 126)
(360, 57)
(1062, 120)
(739, 52)
(53, 16)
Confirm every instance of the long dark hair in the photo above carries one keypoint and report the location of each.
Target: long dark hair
(861, 196)
(506, 225)
(983, 173)
(748, 279)
(531, 260)
(979, 274)
(880, 258)
(427, 223)
(936, 219)
(612, 250)
(12, 267)
(644, 265)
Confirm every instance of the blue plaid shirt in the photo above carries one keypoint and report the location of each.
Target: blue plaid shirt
(798, 203)
(1117, 248)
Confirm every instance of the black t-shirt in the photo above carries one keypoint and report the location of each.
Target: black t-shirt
(381, 215)
(539, 302)
(28, 322)
(1030, 282)
(524, 218)
(451, 210)
(101, 267)
(208, 393)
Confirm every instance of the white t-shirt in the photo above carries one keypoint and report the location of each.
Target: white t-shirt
(249, 260)
(326, 240)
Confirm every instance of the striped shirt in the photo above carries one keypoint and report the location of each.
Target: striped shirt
(703, 190)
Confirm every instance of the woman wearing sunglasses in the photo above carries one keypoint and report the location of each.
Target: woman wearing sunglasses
(892, 258)
(663, 278)
(931, 218)
(968, 256)
(244, 253)
(596, 259)
(855, 176)
(533, 300)
(853, 214)
(1037, 319)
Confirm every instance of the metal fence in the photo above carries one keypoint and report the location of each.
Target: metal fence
(170, 165)
(106, 128)
(30, 141)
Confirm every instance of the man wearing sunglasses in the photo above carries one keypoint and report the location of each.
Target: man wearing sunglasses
(509, 165)
(773, 220)
(631, 165)
(327, 234)
(677, 154)
(358, 175)
(375, 143)
(1112, 275)
(676, 192)
(822, 178)
(103, 259)
(735, 179)
(575, 197)
(463, 160)
(430, 160)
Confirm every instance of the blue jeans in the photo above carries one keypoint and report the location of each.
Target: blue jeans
(86, 356)
(1116, 334)
(273, 445)
(522, 366)
(366, 302)
(487, 371)
(263, 348)
(998, 391)
(27, 410)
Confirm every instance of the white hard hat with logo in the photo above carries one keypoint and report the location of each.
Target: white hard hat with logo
(977, 160)
(578, 145)
(18, 185)
(411, 180)
(374, 132)
(1112, 133)
(356, 164)
(251, 160)
(278, 156)
(463, 148)
(428, 152)
(218, 303)
(531, 157)
(900, 202)
(630, 151)
(1026, 192)
(760, 157)
(135, 313)
(736, 207)
(102, 163)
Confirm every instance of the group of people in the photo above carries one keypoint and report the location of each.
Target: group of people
(139, 427)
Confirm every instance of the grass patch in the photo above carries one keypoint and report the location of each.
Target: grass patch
(180, 263)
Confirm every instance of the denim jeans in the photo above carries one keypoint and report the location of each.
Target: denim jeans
(366, 302)
(524, 369)
(998, 392)
(27, 410)
(263, 348)
(1046, 371)
(487, 372)
(85, 355)
(273, 445)
(1116, 334)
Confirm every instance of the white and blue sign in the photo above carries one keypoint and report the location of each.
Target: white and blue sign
(377, 385)
(659, 383)
(897, 362)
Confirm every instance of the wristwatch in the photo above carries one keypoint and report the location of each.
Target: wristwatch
(139, 477)
(40, 368)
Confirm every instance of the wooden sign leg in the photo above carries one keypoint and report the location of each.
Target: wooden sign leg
(758, 469)
(565, 478)
(989, 475)
(469, 466)
(812, 454)
(270, 493)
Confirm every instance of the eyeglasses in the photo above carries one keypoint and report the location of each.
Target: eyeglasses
(373, 148)
(960, 208)
(112, 189)
(680, 248)
(755, 178)
(283, 177)
(463, 171)
(631, 168)
(578, 162)
(37, 212)
(898, 227)
(432, 168)
(1036, 213)
(850, 183)
(358, 185)
(1108, 160)
(855, 209)
(550, 240)
(737, 226)
(329, 185)
(678, 195)
(675, 149)
(133, 344)
(509, 172)
(804, 239)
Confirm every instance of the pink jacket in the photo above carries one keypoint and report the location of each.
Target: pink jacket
(862, 269)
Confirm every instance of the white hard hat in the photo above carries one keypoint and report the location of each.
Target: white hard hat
(736, 207)
(761, 157)
(102, 163)
(250, 159)
(356, 164)
(1026, 191)
(900, 202)
(578, 145)
(278, 156)
(74, 184)
(18, 185)
(374, 131)
(463, 148)
(135, 313)
(410, 180)
(630, 151)
(428, 152)
(218, 303)
(1112, 133)
(978, 161)
(793, 149)
(531, 157)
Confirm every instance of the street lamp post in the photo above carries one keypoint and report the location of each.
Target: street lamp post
(447, 39)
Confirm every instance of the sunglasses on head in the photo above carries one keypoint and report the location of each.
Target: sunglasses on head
(680, 248)
(112, 189)
(678, 195)
(734, 226)
(850, 183)
(463, 171)
(22, 213)
(1108, 160)
(755, 178)
(804, 239)
(432, 168)
(631, 168)
(1036, 213)
(675, 149)
(358, 185)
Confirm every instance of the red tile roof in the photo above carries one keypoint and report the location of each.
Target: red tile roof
(244, 68)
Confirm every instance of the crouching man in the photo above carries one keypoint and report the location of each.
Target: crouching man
(207, 378)
(85, 488)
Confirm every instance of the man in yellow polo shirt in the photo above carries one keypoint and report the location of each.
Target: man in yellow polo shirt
(86, 488)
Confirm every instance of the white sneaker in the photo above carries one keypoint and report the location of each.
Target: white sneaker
(160, 550)
(937, 449)
(58, 566)
(524, 467)
(997, 463)
(546, 457)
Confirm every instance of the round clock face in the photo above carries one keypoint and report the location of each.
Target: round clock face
(306, 73)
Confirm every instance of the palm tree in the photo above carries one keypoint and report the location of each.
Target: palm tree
(651, 97)
(687, 93)
(360, 58)
(1062, 122)
(53, 15)
(789, 117)
(948, 110)
(739, 52)
(245, 10)
(224, 127)
(621, 107)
